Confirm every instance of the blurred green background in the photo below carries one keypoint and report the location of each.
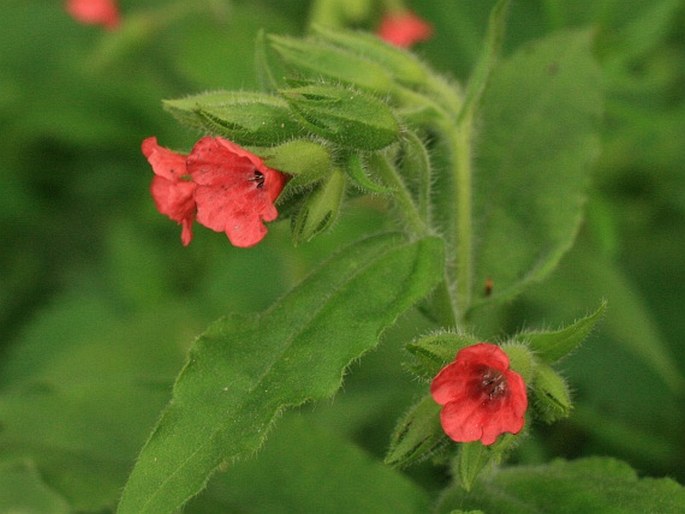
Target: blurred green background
(98, 299)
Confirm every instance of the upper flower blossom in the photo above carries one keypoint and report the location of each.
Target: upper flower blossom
(404, 28)
(221, 185)
(95, 12)
(482, 397)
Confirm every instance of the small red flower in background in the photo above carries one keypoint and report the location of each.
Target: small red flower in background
(221, 185)
(404, 28)
(482, 397)
(95, 12)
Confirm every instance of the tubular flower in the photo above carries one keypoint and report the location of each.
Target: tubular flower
(95, 12)
(482, 397)
(221, 185)
(404, 28)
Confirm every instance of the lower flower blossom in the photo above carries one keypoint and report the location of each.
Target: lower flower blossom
(219, 184)
(404, 29)
(95, 12)
(482, 397)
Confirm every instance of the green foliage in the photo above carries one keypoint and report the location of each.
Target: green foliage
(244, 370)
(23, 491)
(553, 346)
(290, 475)
(586, 485)
(98, 301)
(347, 117)
(246, 118)
(539, 119)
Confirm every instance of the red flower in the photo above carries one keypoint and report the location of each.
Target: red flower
(171, 188)
(95, 12)
(404, 28)
(223, 186)
(482, 397)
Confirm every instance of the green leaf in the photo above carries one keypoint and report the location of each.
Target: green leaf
(538, 140)
(418, 434)
(245, 370)
(307, 468)
(555, 345)
(585, 485)
(83, 388)
(490, 53)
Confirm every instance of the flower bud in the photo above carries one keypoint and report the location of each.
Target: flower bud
(359, 174)
(247, 118)
(305, 160)
(320, 208)
(433, 351)
(313, 59)
(417, 436)
(344, 116)
(400, 64)
(551, 394)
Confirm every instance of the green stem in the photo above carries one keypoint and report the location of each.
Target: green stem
(390, 176)
(463, 193)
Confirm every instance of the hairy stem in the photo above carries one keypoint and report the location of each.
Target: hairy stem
(405, 203)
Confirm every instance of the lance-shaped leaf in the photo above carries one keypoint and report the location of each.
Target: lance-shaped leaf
(554, 345)
(245, 370)
(540, 116)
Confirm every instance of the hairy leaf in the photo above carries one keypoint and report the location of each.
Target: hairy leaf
(245, 370)
(586, 485)
(539, 118)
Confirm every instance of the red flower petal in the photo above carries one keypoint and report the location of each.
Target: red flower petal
(482, 397)
(173, 196)
(404, 28)
(235, 191)
(95, 12)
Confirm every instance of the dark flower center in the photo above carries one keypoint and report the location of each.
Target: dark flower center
(258, 178)
(493, 383)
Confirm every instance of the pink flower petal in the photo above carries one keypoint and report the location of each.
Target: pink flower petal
(481, 397)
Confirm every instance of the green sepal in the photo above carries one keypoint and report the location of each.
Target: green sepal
(474, 457)
(358, 172)
(306, 160)
(550, 347)
(350, 118)
(551, 395)
(417, 436)
(312, 59)
(416, 169)
(320, 209)
(521, 359)
(246, 118)
(403, 66)
(433, 352)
